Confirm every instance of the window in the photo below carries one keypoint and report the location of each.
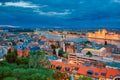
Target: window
(67, 69)
(117, 79)
(59, 67)
(103, 74)
(89, 72)
(96, 74)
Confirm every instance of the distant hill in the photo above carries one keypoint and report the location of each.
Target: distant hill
(14, 28)
(8, 27)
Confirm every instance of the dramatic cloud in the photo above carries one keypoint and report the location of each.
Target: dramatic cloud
(62, 13)
(52, 13)
(21, 4)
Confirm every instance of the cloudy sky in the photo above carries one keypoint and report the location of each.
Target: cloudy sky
(60, 13)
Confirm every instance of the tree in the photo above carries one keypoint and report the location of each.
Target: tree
(8, 72)
(11, 57)
(60, 53)
(89, 54)
(54, 51)
(60, 75)
(66, 55)
(38, 59)
(87, 42)
(53, 46)
(5, 72)
(85, 78)
(18, 73)
(22, 60)
(105, 43)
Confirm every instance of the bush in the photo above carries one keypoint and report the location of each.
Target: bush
(5, 72)
(11, 57)
(10, 78)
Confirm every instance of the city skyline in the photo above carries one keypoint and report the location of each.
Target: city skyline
(60, 13)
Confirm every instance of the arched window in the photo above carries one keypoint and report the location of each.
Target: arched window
(117, 78)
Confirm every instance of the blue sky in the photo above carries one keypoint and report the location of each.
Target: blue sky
(60, 13)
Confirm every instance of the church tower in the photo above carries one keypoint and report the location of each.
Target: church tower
(63, 38)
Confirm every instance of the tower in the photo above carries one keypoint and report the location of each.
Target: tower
(63, 38)
(104, 31)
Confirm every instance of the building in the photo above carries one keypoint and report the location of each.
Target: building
(95, 51)
(104, 34)
(78, 58)
(97, 73)
(22, 49)
(22, 52)
(3, 51)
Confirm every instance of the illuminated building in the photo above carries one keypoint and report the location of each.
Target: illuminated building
(104, 34)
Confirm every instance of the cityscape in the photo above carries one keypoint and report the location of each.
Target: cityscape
(60, 40)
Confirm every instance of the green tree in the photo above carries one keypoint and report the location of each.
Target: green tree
(5, 72)
(22, 60)
(8, 72)
(87, 42)
(66, 55)
(11, 57)
(38, 60)
(60, 53)
(53, 46)
(89, 54)
(60, 75)
(85, 78)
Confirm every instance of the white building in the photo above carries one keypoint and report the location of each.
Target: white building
(95, 52)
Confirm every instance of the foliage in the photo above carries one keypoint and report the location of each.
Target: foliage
(54, 52)
(10, 78)
(11, 57)
(60, 75)
(85, 78)
(18, 69)
(38, 60)
(22, 60)
(53, 46)
(60, 52)
(89, 54)
(87, 42)
(7, 72)
(66, 55)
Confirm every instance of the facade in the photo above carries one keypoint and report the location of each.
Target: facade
(95, 52)
(104, 34)
(23, 53)
(75, 58)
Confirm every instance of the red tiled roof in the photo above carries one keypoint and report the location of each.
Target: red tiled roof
(83, 70)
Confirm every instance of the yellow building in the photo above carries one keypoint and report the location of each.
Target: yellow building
(104, 34)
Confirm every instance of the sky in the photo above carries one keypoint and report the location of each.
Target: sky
(60, 13)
